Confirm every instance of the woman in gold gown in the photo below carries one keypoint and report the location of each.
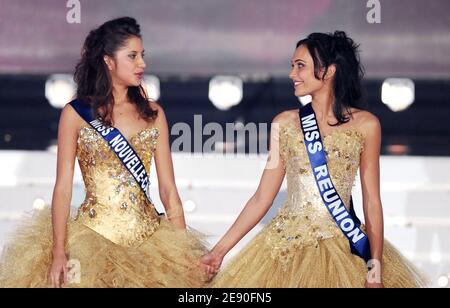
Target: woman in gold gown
(303, 246)
(117, 239)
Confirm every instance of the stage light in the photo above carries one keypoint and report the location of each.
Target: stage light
(52, 148)
(189, 206)
(435, 257)
(7, 138)
(152, 85)
(398, 93)
(59, 90)
(225, 91)
(398, 149)
(39, 204)
(443, 281)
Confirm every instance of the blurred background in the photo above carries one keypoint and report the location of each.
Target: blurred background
(228, 61)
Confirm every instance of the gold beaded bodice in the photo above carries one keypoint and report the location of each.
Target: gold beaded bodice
(304, 219)
(115, 206)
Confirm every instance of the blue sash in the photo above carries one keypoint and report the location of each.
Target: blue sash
(120, 146)
(346, 221)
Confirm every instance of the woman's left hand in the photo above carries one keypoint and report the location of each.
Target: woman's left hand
(211, 263)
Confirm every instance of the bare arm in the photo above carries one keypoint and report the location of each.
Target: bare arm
(260, 202)
(62, 193)
(370, 182)
(166, 179)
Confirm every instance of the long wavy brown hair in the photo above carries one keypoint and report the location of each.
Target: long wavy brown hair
(94, 83)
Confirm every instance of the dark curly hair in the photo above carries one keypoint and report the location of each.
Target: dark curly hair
(337, 48)
(94, 83)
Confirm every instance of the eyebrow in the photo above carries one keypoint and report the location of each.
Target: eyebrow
(143, 51)
(298, 60)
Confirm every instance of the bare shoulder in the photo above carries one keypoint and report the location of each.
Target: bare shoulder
(160, 122)
(366, 121)
(286, 117)
(70, 118)
(156, 106)
(69, 111)
(159, 109)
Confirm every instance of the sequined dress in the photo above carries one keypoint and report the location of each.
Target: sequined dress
(116, 238)
(302, 246)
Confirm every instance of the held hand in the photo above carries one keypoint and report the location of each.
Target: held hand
(374, 276)
(58, 269)
(211, 263)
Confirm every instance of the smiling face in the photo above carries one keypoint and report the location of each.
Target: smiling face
(127, 66)
(302, 73)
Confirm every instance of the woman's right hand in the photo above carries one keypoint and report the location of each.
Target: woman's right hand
(58, 269)
(211, 263)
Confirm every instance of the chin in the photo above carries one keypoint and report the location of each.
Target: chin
(134, 84)
(300, 93)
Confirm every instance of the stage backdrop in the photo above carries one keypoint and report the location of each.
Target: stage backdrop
(231, 36)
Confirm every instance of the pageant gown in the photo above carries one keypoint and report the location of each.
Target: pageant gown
(116, 236)
(303, 246)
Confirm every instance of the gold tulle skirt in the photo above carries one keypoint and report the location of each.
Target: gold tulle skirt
(329, 264)
(169, 258)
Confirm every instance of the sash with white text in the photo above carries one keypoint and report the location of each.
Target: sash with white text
(120, 146)
(346, 220)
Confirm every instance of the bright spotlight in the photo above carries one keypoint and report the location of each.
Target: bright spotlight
(443, 281)
(59, 90)
(398, 93)
(152, 86)
(39, 204)
(189, 206)
(225, 91)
